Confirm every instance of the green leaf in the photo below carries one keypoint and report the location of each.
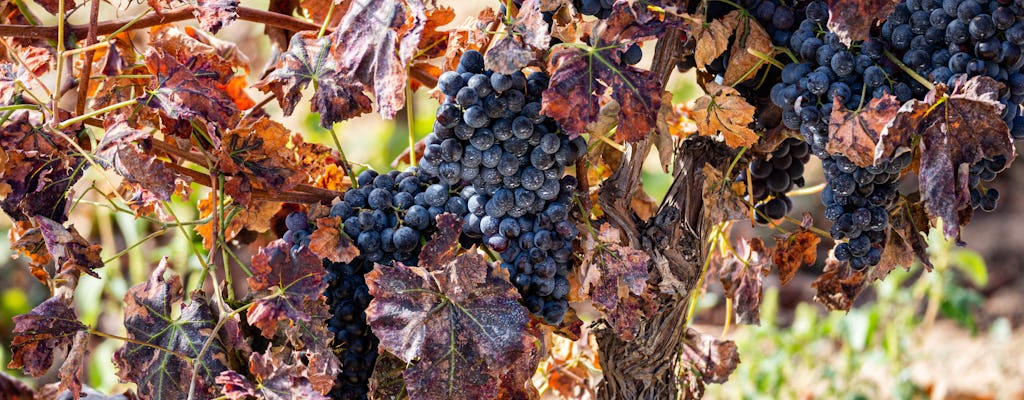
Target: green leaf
(972, 265)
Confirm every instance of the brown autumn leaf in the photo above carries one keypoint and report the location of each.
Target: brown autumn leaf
(255, 217)
(165, 367)
(386, 382)
(373, 45)
(793, 250)
(284, 281)
(443, 245)
(750, 35)
(520, 45)
(124, 149)
(279, 375)
(853, 20)
(50, 327)
(581, 77)
(839, 285)
(462, 324)
(723, 198)
(955, 131)
(854, 134)
(706, 360)
(27, 240)
(215, 14)
(184, 94)
(713, 38)
(723, 110)
(14, 389)
(906, 242)
(260, 152)
(741, 273)
(40, 168)
(68, 248)
(73, 370)
(330, 242)
(616, 280)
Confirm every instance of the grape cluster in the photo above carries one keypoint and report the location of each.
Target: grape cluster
(985, 198)
(595, 8)
(773, 176)
(490, 137)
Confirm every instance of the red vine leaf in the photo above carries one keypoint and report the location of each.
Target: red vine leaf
(39, 171)
(180, 94)
(284, 280)
(309, 59)
(581, 77)
(13, 388)
(443, 245)
(518, 48)
(616, 281)
(164, 369)
(462, 324)
(723, 111)
(852, 20)
(279, 376)
(328, 241)
(854, 134)
(741, 273)
(794, 250)
(50, 327)
(956, 131)
(373, 45)
(838, 285)
(706, 360)
(750, 35)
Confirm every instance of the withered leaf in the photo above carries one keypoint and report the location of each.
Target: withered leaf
(580, 77)
(284, 282)
(854, 134)
(956, 131)
(906, 242)
(518, 48)
(386, 382)
(713, 38)
(373, 45)
(123, 148)
(749, 35)
(279, 376)
(73, 370)
(181, 94)
(40, 168)
(471, 35)
(309, 59)
(616, 281)
(443, 245)
(165, 370)
(69, 248)
(852, 20)
(328, 241)
(50, 327)
(463, 324)
(260, 150)
(741, 274)
(838, 285)
(255, 217)
(723, 199)
(215, 14)
(723, 110)
(706, 360)
(794, 250)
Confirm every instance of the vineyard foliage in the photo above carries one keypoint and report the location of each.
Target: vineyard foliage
(515, 238)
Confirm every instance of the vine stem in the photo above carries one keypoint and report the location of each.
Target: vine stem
(151, 19)
(909, 71)
(89, 49)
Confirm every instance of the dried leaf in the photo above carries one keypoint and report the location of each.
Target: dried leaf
(166, 370)
(40, 168)
(616, 280)
(73, 370)
(14, 389)
(328, 241)
(723, 199)
(852, 20)
(215, 14)
(260, 152)
(373, 45)
(181, 94)
(443, 245)
(69, 248)
(471, 35)
(280, 376)
(706, 360)
(463, 324)
(386, 382)
(579, 78)
(838, 285)
(309, 59)
(723, 110)
(526, 37)
(284, 281)
(955, 132)
(50, 327)
(855, 133)
(793, 250)
(713, 38)
(750, 35)
(741, 273)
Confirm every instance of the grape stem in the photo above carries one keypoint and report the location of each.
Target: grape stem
(926, 83)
